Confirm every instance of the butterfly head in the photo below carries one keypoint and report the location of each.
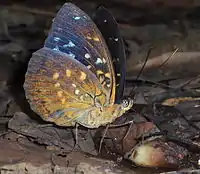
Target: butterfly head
(126, 104)
(101, 115)
(117, 110)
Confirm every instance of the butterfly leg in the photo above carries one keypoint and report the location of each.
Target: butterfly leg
(129, 123)
(104, 134)
(76, 137)
(123, 124)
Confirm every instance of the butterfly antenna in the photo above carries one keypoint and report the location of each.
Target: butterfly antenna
(157, 83)
(146, 59)
(186, 83)
(161, 84)
(145, 62)
(104, 134)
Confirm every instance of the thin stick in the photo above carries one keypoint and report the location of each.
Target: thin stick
(143, 66)
(29, 10)
(168, 58)
(188, 82)
(153, 82)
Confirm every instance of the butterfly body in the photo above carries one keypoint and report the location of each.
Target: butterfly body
(71, 79)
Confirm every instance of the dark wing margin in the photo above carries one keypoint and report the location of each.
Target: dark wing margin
(108, 26)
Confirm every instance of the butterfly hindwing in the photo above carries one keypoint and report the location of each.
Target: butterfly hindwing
(59, 88)
(111, 33)
(75, 34)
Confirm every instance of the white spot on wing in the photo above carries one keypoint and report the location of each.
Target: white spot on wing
(57, 85)
(87, 56)
(77, 17)
(76, 91)
(98, 61)
(89, 66)
(81, 97)
(56, 48)
(104, 60)
(108, 85)
(73, 85)
(96, 39)
(56, 39)
(72, 55)
(116, 39)
(70, 44)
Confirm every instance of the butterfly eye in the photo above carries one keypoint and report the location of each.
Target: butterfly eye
(127, 103)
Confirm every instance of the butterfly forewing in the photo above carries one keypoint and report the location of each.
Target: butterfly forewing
(75, 34)
(59, 88)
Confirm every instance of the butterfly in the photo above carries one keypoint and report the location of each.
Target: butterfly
(75, 78)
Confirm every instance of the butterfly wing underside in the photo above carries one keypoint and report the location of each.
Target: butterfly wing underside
(48, 76)
(72, 68)
(74, 33)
